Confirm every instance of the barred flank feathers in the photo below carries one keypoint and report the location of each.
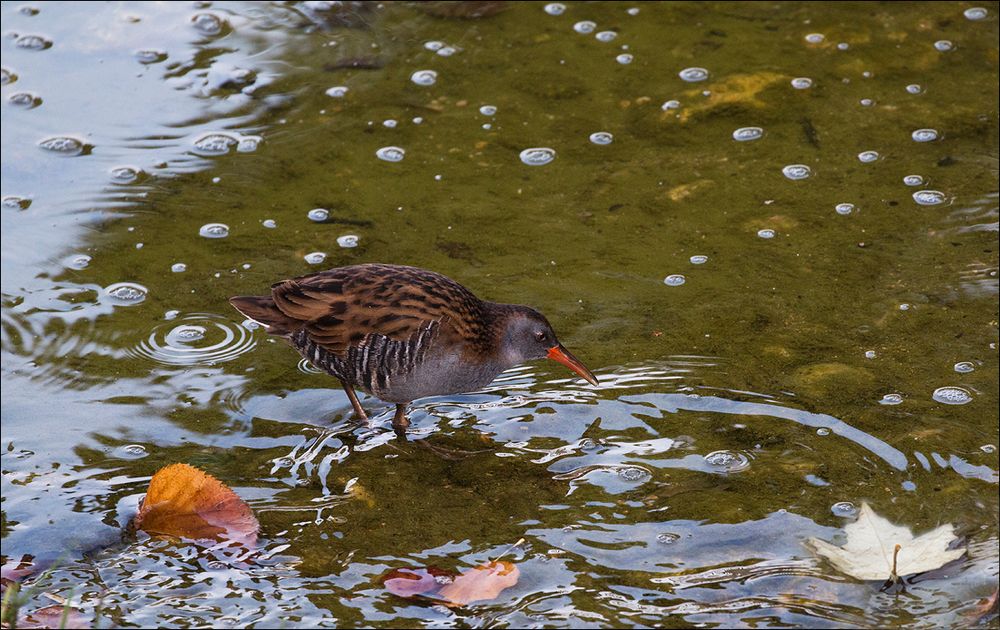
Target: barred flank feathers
(262, 309)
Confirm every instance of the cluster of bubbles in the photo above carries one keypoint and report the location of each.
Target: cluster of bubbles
(844, 509)
(67, 146)
(929, 197)
(952, 395)
(441, 48)
(220, 143)
(208, 23)
(33, 42)
(727, 461)
(195, 339)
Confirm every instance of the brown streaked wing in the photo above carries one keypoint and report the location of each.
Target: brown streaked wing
(340, 307)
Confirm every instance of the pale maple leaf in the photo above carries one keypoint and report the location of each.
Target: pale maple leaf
(871, 549)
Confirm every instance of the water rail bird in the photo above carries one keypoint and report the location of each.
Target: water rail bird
(401, 333)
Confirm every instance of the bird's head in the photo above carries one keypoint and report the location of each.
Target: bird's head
(525, 335)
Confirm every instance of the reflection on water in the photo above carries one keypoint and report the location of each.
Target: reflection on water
(773, 233)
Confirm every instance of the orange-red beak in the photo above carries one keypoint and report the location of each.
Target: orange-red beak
(562, 355)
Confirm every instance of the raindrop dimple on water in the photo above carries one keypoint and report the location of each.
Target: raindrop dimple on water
(601, 137)
(924, 135)
(868, 156)
(78, 262)
(796, 171)
(130, 451)
(952, 395)
(348, 241)
(975, 13)
(728, 461)
(585, 27)
(555, 8)
(424, 77)
(746, 134)
(913, 180)
(693, 75)
(964, 367)
(802, 83)
(125, 174)
(214, 230)
(674, 280)
(391, 154)
(844, 208)
(929, 197)
(207, 23)
(537, 156)
(633, 474)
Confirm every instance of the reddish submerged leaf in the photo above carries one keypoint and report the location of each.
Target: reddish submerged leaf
(408, 582)
(185, 502)
(52, 617)
(481, 583)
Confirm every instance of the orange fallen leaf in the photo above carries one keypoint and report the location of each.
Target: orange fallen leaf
(483, 582)
(408, 582)
(185, 502)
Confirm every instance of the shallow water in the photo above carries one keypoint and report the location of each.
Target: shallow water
(765, 352)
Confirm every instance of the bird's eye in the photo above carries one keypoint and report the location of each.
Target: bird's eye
(540, 335)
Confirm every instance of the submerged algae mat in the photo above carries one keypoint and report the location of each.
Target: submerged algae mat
(771, 229)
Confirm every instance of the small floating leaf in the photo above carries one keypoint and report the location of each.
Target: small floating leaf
(481, 583)
(185, 502)
(408, 582)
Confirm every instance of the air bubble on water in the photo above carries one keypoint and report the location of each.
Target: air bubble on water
(148, 56)
(843, 46)
(891, 399)
(745, 134)
(555, 8)
(26, 100)
(65, 145)
(866, 102)
(424, 77)
(988, 448)
(975, 13)
(634, 474)
(390, 154)
(389, 123)
(844, 208)
(15, 202)
(913, 180)
(765, 233)
(315, 258)
(727, 461)
(269, 223)
(318, 215)
(913, 88)
(178, 267)
(868, 156)
(698, 259)
(815, 38)
(33, 42)
(796, 171)
(929, 197)
(844, 509)
(667, 538)
(601, 137)
(207, 23)
(447, 51)
(348, 240)
(214, 230)
(870, 354)
(952, 395)
(671, 104)
(78, 262)
(674, 280)
(964, 367)
(488, 110)
(924, 135)
(125, 293)
(126, 174)
(802, 83)
(585, 27)
(606, 36)
(822, 431)
(693, 75)
(215, 143)
(130, 451)
(248, 144)
(434, 45)
(624, 59)
(538, 156)
(632, 10)
(338, 91)
(943, 45)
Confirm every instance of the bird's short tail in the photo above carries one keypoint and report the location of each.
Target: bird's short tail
(262, 309)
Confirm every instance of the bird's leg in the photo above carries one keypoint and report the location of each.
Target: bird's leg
(400, 421)
(359, 412)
